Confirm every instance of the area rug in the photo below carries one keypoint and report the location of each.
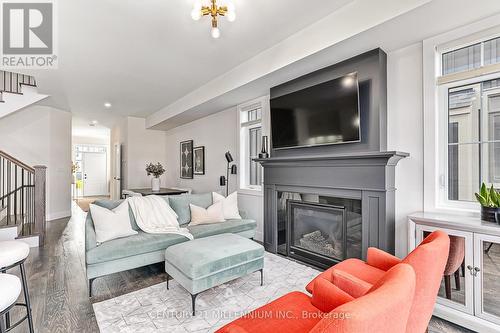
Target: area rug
(156, 309)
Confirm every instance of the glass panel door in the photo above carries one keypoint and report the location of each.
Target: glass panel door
(456, 290)
(487, 277)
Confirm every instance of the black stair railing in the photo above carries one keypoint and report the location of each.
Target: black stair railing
(11, 82)
(22, 195)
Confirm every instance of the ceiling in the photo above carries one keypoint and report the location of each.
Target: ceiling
(141, 55)
(403, 30)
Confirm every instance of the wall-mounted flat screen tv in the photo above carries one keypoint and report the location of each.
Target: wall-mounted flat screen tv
(324, 114)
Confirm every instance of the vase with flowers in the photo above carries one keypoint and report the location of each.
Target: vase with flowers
(156, 170)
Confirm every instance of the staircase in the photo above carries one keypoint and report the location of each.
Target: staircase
(22, 201)
(17, 91)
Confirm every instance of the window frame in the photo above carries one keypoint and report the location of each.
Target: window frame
(435, 105)
(249, 162)
(243, 136)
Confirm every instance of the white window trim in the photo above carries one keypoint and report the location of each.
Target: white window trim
(442, 199)
(243, 174)
(435, 131)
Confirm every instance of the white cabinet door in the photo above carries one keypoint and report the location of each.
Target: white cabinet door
(487, 277)
(456, 290)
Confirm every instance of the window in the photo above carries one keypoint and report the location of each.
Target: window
(492, 51)
(463, 59)
(471, 57)
(461, 116)
(251, 116)
(473, 123)
(255, 138)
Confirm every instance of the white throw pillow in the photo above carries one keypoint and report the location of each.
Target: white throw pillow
(212, 214)
(229, 205)
(111, 224)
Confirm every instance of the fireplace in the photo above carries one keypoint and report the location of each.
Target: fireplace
(318, 229)
(327, 208)
(346, 192)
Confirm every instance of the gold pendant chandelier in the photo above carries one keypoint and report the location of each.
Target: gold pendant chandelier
(204, 8)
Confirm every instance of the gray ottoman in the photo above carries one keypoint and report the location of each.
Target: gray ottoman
(203, 263)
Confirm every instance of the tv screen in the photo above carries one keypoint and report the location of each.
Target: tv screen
(327, 113)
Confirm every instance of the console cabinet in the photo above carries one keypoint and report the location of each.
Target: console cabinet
(470, 289)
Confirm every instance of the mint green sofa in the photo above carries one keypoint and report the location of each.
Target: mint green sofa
(145, 249)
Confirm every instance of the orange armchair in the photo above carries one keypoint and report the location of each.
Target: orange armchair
(385, 307)
(428, 260)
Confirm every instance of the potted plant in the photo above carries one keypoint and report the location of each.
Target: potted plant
(490, 203)
(156, 170)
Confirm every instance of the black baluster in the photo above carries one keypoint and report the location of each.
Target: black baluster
(1, 180)
(23, 220)
(9, 173)
(15, 194)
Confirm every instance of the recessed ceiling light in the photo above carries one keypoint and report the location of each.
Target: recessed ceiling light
(93, 123)
(107, 105)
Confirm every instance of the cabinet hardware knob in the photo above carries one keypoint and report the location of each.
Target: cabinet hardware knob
(473, 270)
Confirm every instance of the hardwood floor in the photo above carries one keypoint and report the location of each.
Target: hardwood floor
(58, 287)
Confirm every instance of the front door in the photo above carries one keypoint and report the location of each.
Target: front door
(94, 174)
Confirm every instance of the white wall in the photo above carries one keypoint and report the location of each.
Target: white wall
(139, 147)
(218, 133)
(85, 140)
(40, 135)
(143, 146)
(405, 133)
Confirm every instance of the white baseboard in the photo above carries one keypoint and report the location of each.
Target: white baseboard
(58, 215)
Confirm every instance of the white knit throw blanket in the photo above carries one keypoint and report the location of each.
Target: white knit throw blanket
(155, 216)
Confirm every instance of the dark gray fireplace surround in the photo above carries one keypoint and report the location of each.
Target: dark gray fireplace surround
(354, 178)
(368, 177)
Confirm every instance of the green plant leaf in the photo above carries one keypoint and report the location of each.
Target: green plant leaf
(484, 191)
(492, 195)
(495, 197)
(482, 201)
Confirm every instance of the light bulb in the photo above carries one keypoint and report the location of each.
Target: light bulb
(215, 32)
(196, 14)
(231, 16)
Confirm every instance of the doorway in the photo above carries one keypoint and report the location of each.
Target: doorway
(91, 174)
(91, 153)
(94, 173)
